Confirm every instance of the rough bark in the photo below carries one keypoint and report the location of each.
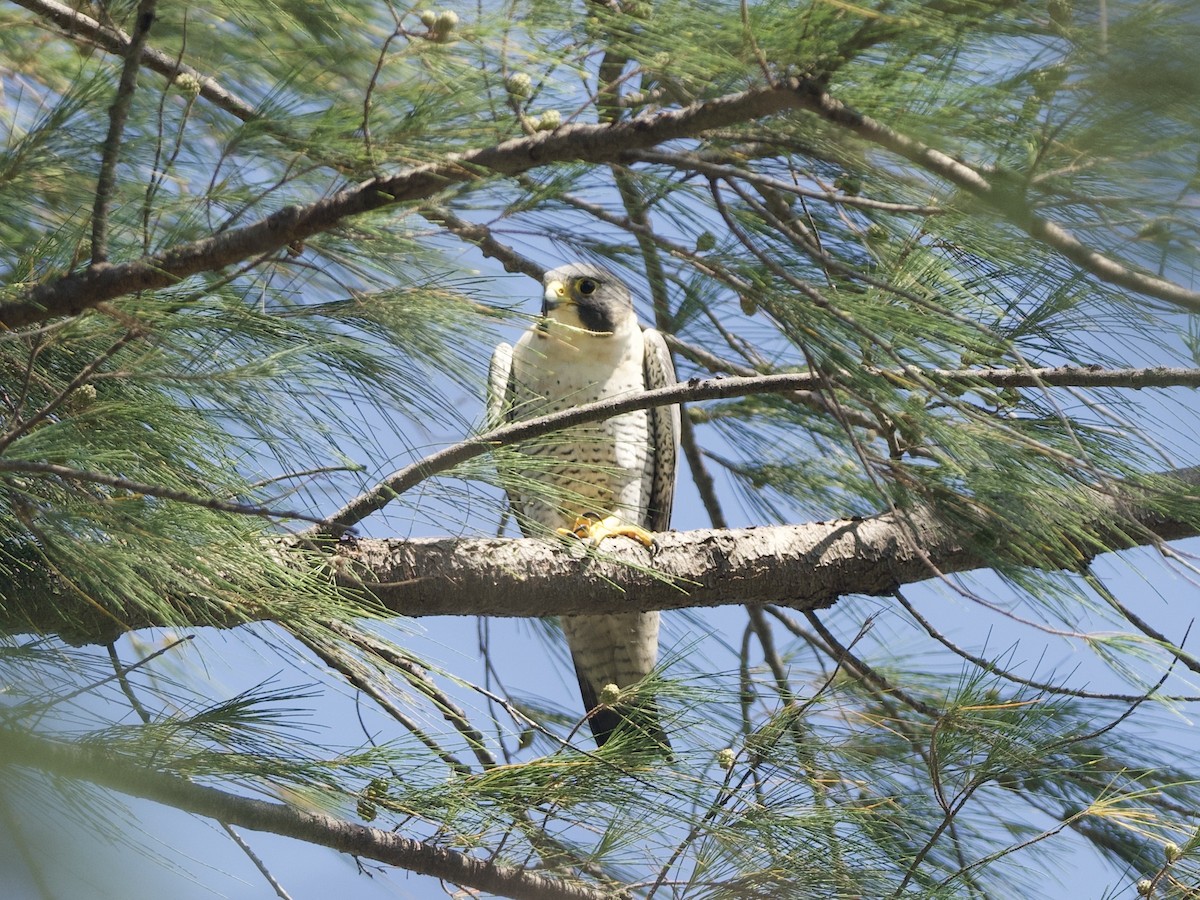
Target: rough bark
(802, 566)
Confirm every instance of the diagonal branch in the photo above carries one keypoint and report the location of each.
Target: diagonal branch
(724, 389)
(1003, 196)
(72, 294)
(481, 236)
(81, 762)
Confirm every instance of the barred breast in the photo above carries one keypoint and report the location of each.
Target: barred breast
(597, 467)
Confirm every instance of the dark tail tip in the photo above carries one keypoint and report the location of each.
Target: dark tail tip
(637, 725)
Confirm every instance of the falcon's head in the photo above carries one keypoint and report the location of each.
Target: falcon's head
(584, 296)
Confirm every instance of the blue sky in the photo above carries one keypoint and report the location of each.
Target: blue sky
(186, 857)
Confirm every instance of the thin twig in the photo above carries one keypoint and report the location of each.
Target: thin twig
(42, 704)
(66, 473)
(353, 672)
(258, 863)
(700, 163)
(369, 93)
(119, 672)
(160, 170)
(419, 679)
(1189, 660)
(118, 113)
(847, 658)
(993, 669)
(481, 237)
(702, 478)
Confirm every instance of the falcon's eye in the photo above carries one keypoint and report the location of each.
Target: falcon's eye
(587, 286)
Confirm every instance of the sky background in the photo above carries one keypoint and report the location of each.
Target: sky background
(161, 852)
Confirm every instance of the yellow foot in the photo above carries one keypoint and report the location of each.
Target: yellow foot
(592, 528)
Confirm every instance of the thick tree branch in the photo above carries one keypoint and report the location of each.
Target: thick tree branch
(75, 761)
(800, 566)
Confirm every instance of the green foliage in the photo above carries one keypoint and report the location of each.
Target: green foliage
(159, 452)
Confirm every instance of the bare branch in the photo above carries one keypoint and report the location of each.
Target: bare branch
(723, 389)
(92, 765)
(266, 873)
(1004, 197)
(72, 294)
(812, 399)
(799, 566)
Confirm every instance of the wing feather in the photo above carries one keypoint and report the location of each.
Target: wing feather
(501, 400)
(500, 386)
(664, 433)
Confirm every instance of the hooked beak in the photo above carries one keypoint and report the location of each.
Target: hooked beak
(554, 296)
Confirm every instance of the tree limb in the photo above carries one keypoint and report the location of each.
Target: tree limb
(74, 293)
(723, 389)
(82, 762)
(799, 566)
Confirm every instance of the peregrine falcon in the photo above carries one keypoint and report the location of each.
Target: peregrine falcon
(588, 346)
